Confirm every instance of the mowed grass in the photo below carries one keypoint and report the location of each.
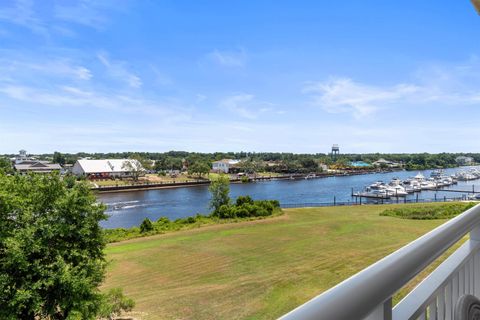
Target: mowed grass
(257, 269)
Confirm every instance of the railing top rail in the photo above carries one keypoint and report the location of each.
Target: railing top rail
(357, 296)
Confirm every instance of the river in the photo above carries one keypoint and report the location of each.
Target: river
(127, 209)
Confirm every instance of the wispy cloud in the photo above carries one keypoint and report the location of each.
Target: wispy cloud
(237, 104)
(236, 58)
(118, 70)
(247, 106)
(86, 12)
(440, 84)
(23, 13)
(339, 95)
(51, 67)
(47, 19)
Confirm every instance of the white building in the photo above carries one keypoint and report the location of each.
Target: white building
(36, 166)
(390, 164)
(22, 156)
(464, 161)
(108, 168)
(224, 165)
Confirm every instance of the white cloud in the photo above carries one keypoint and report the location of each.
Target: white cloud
(23, 13)
(237, 104)
(84, 12)
(68, 96)
(247, 106)
(118, 70)
(439, 84)
(229, 58)
(340, 95)
(19, 67)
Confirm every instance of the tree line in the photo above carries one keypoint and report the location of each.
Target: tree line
(200, 163)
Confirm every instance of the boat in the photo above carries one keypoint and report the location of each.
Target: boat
(419, 177)
(396, 191)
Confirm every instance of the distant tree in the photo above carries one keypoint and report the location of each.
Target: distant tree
(220, 192)
(168, 163)
(251, 165)
(52, 249)
(6, 166)
(58, 158)
(134, 166)
(199, 168)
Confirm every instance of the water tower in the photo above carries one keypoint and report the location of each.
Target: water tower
(335, 151)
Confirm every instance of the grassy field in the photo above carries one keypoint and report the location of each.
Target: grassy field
(257, 269)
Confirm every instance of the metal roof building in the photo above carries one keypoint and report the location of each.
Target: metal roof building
(106, 167)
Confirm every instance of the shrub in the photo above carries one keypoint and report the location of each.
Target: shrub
(114, 302)
(225, 212)
(275, 203)
(190, 220)
(244, 199)
(146, 226)
(423, 212)
(241, 212)
(245, 179)
(265, 205)
(163, 220)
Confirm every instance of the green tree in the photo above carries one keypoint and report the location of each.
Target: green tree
(58, 158)
(6, 166)
(199, 168)
(135, 167)
(220, 192)
(51, 246)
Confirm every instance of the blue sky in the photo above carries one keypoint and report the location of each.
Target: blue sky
(292, 76)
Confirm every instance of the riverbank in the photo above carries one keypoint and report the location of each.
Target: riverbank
(128, 209)
(255, 269)
(192, 183)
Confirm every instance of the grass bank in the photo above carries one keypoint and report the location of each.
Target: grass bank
(255, 269)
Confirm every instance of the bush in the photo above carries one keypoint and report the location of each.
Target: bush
(146, 226)
(190, 220)
(424, 212)
(163, 220)
(225, 212)
(244, 199)
(245, 179)
(275, 203)
(266, 205)
(114, 302)
(241, 212)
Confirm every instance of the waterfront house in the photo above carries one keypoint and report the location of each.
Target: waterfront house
(464, 161)
(107, 168)
(224, 165)
(26, 166)
(386, 163)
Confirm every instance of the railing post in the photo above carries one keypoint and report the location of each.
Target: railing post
(382, 312)
(475, 236)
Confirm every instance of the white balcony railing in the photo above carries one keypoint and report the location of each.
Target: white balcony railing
(368, 294)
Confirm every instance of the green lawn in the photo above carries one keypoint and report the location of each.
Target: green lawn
(257, 269)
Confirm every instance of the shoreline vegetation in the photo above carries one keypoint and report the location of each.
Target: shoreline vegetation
(429, 212)
(164, 225)
(244, 208)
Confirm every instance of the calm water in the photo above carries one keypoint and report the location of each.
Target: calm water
(127, 209)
